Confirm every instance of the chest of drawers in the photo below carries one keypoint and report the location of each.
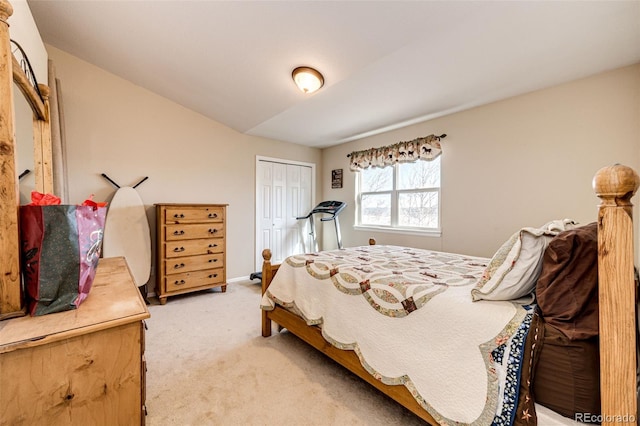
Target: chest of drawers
(191, 253)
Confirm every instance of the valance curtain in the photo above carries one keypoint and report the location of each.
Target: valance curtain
(425, 148)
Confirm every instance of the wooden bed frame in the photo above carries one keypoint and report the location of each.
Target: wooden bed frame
(614, 185)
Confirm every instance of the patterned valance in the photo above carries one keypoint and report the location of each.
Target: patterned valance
(426, 148)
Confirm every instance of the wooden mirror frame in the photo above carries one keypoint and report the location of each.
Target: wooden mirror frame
(11, 295)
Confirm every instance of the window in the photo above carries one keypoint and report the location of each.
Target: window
(403, 196)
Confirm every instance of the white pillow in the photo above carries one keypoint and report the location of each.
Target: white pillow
(514, 269)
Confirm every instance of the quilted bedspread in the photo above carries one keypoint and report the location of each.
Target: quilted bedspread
(408, 315)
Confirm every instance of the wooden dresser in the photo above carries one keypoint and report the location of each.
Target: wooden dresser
(81, 367)
(191, 248)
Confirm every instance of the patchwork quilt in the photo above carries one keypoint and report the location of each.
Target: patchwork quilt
(409, 316)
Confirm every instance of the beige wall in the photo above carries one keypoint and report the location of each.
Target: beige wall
(127, 132)
(514, 163)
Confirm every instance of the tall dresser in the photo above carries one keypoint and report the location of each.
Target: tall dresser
(191, 252)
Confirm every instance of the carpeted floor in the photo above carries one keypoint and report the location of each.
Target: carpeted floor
(208, 365)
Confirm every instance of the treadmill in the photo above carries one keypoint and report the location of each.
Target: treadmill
(332, 208)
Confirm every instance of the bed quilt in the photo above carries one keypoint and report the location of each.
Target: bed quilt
(409, 316)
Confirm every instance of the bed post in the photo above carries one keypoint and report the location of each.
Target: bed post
(615, 185)
(267, 276)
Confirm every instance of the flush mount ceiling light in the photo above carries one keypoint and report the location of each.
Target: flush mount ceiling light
(307, 79)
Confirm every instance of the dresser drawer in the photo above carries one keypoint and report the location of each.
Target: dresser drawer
(177, 282)
(193, 263)
(188, 232)
(193, 215)
(194, 247)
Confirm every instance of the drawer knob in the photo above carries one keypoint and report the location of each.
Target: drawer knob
(213, 245)
(178, 249)
(213, 260)
(213, 275)
(213, 230)
(180, 282)
(180, 232)
(178, 266)
(178, 216)
(213, 215)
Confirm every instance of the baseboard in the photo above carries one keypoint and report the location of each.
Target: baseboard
(245, 278)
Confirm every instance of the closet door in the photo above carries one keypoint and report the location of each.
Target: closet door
(283, 193)
(298, 204)
(271, 208)
(306, 204)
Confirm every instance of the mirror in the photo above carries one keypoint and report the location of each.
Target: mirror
(24, 145)
(41, 129)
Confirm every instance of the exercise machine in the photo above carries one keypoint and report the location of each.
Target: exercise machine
(332, 208)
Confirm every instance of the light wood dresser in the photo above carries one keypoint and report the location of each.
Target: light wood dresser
(79, 367)
(191, 248)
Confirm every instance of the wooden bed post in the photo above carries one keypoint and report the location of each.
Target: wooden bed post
(267, 276)
(10, 291)
(615, 186)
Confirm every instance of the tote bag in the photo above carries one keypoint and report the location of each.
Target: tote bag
(60, 251)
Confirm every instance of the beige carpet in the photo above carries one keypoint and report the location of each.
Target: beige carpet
(208, 365)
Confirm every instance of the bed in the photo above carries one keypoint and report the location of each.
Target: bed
(504, 352)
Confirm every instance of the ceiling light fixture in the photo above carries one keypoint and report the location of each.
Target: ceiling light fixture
(307, 79)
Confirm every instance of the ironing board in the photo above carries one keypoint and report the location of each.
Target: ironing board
(126, 233)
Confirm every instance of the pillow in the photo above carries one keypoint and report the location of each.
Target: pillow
(567, 289)
(514, 268)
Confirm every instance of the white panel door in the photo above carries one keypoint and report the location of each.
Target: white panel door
(284, 192)
(305, 203)
(298, 204)
(264, 207)
(279, 213)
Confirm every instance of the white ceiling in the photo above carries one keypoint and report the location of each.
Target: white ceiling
(386, 63)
